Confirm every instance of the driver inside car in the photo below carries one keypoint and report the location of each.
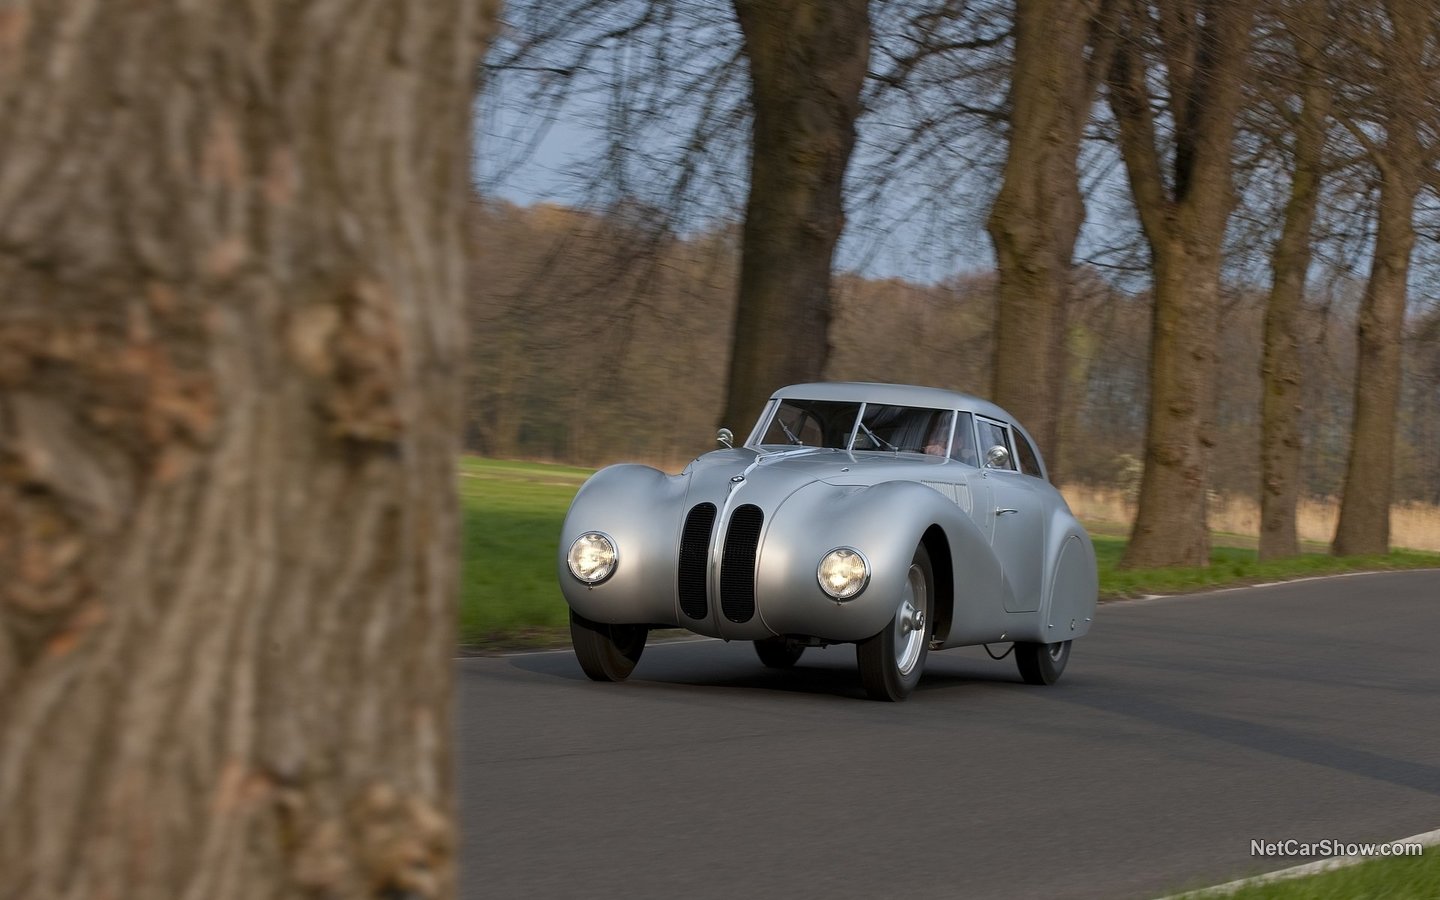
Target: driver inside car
(936, 443)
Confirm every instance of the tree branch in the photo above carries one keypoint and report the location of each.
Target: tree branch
(1130, 103)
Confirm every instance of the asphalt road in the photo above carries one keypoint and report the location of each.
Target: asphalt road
(1183, 729)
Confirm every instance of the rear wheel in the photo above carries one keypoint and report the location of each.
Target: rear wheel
(606, 652)
(778, 653)
(1041, 663)
(891, 661)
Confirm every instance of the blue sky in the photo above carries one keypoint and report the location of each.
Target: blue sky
(526, 158)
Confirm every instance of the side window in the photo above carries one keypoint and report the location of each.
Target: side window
(1029, 459)
(993, 434)
(963, 449)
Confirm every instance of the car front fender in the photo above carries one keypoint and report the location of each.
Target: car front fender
(885, 523)
(640, 509)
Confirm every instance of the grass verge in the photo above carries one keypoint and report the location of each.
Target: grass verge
(1233, 566)
(513, 512)
(1392, 878)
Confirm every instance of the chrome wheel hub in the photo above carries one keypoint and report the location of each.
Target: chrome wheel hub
(910, 622)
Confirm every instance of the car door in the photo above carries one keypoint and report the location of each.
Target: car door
(971, 484)
(1017, 509)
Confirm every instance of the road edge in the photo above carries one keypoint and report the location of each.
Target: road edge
(1229, 588)
(1428, 839)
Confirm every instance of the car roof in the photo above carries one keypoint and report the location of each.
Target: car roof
(892, 394)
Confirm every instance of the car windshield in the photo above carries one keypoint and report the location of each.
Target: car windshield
(812, 423)
(904, 429)
(831, 423)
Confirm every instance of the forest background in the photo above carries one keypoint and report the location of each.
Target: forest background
(609, 237)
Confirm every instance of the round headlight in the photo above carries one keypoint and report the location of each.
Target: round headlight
(843, 573)
(592, 557)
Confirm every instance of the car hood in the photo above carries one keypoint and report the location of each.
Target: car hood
(766, 479)
(762, 479)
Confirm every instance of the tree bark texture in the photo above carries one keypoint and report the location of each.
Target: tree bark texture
(1280, 369)
(1364, 526)
(808, 60)
(1037, 214)
(230, 344)
(1205, 46)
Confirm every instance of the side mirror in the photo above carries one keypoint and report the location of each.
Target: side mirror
(997, 457)
(727, 437)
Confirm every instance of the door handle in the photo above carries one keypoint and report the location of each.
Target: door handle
(1003, 511)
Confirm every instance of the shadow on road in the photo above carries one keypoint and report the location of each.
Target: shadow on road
(822, 672)
(1263, 738)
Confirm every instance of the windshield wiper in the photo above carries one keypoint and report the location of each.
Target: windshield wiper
(788, 433)
(877, 438)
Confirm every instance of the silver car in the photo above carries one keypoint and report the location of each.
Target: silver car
(900, 519)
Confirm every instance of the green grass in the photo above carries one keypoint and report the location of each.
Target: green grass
(513, 512)
(1236, 566)
(1393, 878)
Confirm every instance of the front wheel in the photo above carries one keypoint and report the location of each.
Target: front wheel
(778, 653)
(1041, 663)
(891, 661)
(606, 652)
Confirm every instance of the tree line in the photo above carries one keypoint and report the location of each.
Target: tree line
(554, 377)
(1210, 150)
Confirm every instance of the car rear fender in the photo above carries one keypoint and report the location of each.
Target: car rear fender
(1071, 595)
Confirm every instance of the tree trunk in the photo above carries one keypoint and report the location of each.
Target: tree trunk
(505, 417)
(807, 60)
(1280, 372)
(1038, 211)
(1080, 355)
(231, 251)
(1183, 216)
(1171, 517)
(1364, 526)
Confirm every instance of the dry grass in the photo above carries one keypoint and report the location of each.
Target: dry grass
(1414, 526)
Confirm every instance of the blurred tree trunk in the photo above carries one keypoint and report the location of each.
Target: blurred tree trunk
(1183, 213)
(506, 345)
(808, 60)
(1364, 526)
(231, 252)
(1038, 211)
(1403, 89)
(1280, 439)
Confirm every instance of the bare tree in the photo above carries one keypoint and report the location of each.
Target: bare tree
(1038, 212)
(808, 60)
(1398, 41)
(1183, 195)
(663, 84)
(668, 79)
(231, 249)
(1306, 24)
